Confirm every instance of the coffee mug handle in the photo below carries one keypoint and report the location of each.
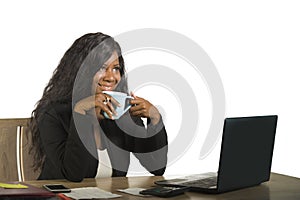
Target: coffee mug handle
(127, 103)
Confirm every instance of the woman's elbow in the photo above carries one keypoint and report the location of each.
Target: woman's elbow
(159, 172)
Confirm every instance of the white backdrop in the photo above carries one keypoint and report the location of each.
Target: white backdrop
(255, 46)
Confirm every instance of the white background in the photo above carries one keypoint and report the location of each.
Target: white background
(255, 46)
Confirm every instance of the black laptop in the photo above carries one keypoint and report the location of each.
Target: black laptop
(245, 160)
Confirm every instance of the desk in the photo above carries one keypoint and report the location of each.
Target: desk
(280, 187)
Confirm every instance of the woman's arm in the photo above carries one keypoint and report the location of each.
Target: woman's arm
(151, 149)
(64, 148)
(151, 145)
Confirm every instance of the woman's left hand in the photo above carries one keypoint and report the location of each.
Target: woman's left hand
(143, 108)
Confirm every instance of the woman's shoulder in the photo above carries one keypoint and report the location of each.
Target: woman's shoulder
(59, 110)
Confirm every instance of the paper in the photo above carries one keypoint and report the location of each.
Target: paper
(90, 193)
(13, 186)
(133, 191)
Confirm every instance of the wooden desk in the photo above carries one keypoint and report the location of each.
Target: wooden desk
(280, 187)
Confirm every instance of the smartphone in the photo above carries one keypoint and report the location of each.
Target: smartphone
(165, 191)
(57, 188)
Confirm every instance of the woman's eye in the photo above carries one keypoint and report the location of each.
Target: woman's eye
(102, 69)
(117, 68)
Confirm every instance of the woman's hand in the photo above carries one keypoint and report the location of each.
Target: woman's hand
(100, 102)
(143, 108)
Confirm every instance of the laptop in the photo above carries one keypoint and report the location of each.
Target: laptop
(245, 159)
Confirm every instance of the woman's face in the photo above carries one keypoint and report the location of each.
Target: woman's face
(108, 76)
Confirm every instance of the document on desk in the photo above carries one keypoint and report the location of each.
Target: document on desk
(90, 193)
(133, 191)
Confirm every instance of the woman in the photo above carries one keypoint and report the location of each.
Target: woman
(72, 138)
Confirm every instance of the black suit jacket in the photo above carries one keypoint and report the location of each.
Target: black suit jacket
(70, 149)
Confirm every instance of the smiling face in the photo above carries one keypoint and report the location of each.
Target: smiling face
(108, 76)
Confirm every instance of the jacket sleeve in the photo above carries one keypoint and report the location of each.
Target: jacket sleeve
(64, 147)
(151, 147)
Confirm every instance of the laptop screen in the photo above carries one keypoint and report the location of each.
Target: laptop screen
(246, 152)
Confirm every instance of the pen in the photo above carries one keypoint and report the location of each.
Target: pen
(63, 197)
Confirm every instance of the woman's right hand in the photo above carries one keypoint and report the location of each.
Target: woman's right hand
(97, 105)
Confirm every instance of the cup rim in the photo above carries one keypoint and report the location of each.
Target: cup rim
(115, 93)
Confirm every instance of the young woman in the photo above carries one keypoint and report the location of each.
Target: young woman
(72, 139)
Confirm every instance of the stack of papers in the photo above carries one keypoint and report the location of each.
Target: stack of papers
(133, 191)
(90, 193)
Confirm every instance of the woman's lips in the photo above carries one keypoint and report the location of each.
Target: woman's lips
(105, 87)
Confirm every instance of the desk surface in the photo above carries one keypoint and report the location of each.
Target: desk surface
(278, 188)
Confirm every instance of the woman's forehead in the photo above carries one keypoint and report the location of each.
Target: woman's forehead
(114, 59)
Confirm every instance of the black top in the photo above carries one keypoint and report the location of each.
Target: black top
(70, 149)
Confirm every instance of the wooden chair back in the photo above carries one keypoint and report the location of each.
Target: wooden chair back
(15, 160)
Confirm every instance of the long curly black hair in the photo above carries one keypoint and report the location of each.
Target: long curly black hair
(79, 64)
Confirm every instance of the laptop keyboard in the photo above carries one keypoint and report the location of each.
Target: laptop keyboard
(203, 183)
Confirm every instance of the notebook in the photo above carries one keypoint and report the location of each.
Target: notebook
(30, 192)
(245, 159)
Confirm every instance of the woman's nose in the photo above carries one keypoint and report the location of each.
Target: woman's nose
(108, 76)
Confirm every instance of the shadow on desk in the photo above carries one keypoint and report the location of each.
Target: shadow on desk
(260, 192)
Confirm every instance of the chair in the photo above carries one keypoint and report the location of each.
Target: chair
(8, 150)
(15, 160)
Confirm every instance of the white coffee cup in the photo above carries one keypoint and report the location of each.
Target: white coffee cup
(123, 100)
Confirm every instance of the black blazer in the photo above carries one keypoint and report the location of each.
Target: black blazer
(70, 149)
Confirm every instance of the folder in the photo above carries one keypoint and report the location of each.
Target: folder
(30, 191)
